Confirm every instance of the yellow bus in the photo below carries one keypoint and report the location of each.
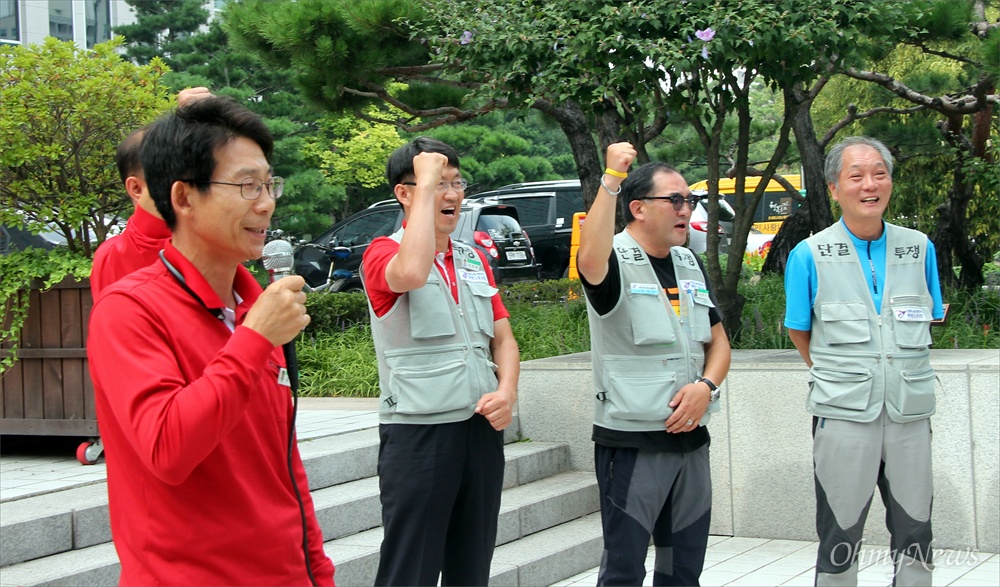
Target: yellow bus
(774, 207)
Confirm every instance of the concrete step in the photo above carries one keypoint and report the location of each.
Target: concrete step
(542, 558)
(527, 511)
(46, 530)
(354, 507)
(75, 518)
(94, 565)
(332, 460)
(39, 526)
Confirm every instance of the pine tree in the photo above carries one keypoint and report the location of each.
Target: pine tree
(162, 28)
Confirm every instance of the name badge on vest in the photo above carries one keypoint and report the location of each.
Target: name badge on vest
(644, 289)
(472, 264)
(473, 276)
(910, 314)
(696, 289)
(283, 377)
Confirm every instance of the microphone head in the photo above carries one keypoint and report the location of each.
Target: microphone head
(278, 257)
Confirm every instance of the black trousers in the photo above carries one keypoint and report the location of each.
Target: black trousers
(664, 495)
(440, 490)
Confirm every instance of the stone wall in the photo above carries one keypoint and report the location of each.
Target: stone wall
(762, 447)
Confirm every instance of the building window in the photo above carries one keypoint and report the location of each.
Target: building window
(98, 22)
(10, 32)
(61, 19)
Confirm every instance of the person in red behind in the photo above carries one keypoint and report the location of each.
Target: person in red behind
(146, 232)
(205, 482)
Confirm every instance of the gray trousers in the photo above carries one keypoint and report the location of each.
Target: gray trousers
(850, 459)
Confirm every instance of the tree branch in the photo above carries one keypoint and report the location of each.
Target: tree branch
(853, 114)
(947, 55)
(967, 104)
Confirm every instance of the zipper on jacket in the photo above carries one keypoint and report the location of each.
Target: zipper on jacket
(872, 267)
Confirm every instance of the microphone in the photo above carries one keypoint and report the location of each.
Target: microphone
(278, 259)
(280, 262)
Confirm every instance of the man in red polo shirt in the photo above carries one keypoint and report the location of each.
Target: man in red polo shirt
(448, 369)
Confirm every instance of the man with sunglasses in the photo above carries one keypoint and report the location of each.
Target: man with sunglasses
(448, 367)
(659, 354)
(205, 482)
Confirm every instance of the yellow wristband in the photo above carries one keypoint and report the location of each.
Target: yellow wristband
(610, 171)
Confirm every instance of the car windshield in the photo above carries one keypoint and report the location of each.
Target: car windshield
(498, 226)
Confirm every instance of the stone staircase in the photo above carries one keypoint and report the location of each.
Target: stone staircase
(548, 528)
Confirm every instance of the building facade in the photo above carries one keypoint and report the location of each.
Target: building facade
(84, 22)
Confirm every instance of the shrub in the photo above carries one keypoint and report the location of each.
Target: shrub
(335, 312)
(337, 357)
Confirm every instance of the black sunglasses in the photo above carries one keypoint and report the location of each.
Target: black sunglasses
(676, 200)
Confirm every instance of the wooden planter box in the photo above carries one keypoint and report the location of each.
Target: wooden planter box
(48, 391)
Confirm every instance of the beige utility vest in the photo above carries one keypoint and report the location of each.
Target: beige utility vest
(434, 360)
(864, 358)
(642, 351)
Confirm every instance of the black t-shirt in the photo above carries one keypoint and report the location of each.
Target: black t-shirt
(603, 297)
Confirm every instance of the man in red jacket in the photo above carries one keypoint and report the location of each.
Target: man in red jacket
(146, 232)
(205, 482)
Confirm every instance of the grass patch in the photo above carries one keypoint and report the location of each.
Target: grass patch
(338, 364)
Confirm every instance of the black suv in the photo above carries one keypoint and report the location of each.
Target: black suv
(545, 209)
(491, 228)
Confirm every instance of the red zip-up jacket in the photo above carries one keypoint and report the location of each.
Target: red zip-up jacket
(195, 426)
(136, 247)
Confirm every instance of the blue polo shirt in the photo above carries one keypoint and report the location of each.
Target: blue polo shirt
(801, 281)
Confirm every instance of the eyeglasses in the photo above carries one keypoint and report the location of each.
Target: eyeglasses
(676, 200)
(250, 188)
(458, 185)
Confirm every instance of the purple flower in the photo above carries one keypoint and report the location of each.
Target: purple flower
(466, 38)
(705, 35)
(704, 52)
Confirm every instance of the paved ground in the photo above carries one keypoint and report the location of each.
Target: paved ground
(32, 465)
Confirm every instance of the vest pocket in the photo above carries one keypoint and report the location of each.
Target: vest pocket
(638, 395)
(432, 389)
(915, 394)
(911, 322)
(841, 389)
(699, 320)
(430, 315)
(482, 305)
(845, 323)
(649, 319)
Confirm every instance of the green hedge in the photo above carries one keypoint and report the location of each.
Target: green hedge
(549, 318)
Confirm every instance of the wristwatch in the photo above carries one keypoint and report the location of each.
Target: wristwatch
(716, 393)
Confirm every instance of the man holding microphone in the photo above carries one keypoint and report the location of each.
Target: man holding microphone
(191, 389)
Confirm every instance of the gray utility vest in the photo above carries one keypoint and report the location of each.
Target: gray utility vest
(864, 359)
(642, 351)
(434, 360)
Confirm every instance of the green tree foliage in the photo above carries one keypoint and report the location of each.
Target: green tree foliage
(634, 67)
(199, 54)
(945, 73)
(64, 112)
(162, 28)
(347, 55)
(506, 147)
